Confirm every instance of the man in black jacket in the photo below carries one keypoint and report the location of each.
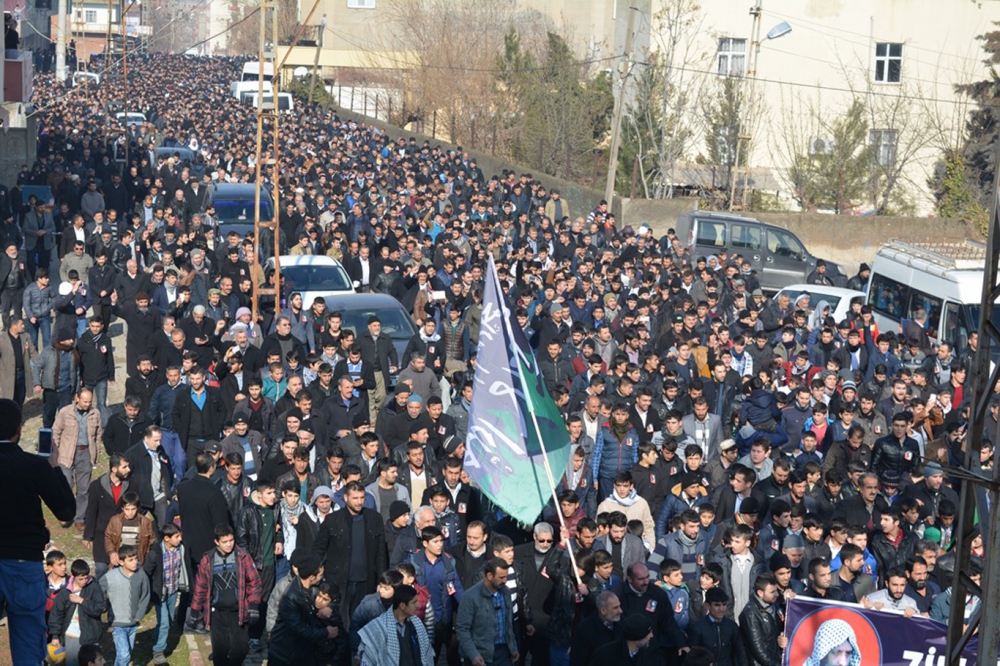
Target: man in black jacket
(597, 630)
(143, 323)
(97, 364)
(380, 350)
(893, 545)
(152, 474)
(762, 638)
(105, 493)
(717, 632)
(125, 428)
(352, 543)
(198, 415)
(633, 648)
(202, 507)
(865, 508)
(24, 480)
(638, 597)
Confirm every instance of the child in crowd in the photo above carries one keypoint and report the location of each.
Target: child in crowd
(55, 577)
(673, 584)
(331, 651)
(129, 528)
(76, 613)
(128, 598)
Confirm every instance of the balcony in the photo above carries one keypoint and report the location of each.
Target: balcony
(18, 73)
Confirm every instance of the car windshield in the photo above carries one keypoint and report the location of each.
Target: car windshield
(395, 323)
(231, 211)
(316, 278)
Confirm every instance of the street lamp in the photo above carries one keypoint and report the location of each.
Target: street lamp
(744, 137)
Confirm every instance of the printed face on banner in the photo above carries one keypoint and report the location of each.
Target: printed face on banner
(834, 636)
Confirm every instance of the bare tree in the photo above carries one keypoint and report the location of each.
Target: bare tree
(447, 57)
(676, 35)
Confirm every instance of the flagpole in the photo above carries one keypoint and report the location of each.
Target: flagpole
(555, 497)
(541, 444)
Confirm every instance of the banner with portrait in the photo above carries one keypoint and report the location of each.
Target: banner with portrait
(838, 634)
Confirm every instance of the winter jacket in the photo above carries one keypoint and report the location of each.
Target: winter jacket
(298, 632)
(250, 528)
(721, 638)
(37, 301)
(113, 534)
(565, 605)
(759, 630)
(101, 506)
(120, 434)
(371, 606)
(893, 461)
(88, 613)
(887, 555)
(248, 590)
(633, 550)
(611, 456)
(45, 370)
(634, 508)
(97, 358)
(65, 430)
(677, 546)
(475, 624)
(153, 566)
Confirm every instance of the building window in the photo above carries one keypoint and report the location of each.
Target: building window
(884, 143)
(732, 56)
(888, 63)
(361, 4)
(90, 16)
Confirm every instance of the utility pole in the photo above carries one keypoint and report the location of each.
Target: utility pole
(319, 45)
(125, 77)
(975, 482)
(744, 138)
(61, 43)
(625, 71)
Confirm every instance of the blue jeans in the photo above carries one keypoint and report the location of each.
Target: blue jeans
(171, 445)
(100, 391)
(22, 597)
(164, 621)
(81, 326)
(124, 642)
(43, 326)
(281, 567)
(558, 655)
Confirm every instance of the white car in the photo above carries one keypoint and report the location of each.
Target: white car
(837, 298)
(313, 276)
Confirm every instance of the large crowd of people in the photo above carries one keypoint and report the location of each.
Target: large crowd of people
(294, 488)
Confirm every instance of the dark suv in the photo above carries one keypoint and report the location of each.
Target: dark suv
(777, 254)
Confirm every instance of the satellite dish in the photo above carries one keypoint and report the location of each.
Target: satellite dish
(779, 30)
(299, 72)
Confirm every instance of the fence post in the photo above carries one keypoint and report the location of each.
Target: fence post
(472, 140)
(352, 99)
(434, 125)
(365, 112)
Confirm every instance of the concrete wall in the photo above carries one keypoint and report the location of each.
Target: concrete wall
(581, 198)
(845, 239)
(18, 146)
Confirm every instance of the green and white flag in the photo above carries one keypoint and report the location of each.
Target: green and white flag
(512, 418)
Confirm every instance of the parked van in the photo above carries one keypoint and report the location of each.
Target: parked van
(86, 79)
(777, 254)
(946, 279)
(251, 72)
(285, 102)
(130, 118)
(239, 88)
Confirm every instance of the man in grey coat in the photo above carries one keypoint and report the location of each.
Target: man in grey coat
(484, 615)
